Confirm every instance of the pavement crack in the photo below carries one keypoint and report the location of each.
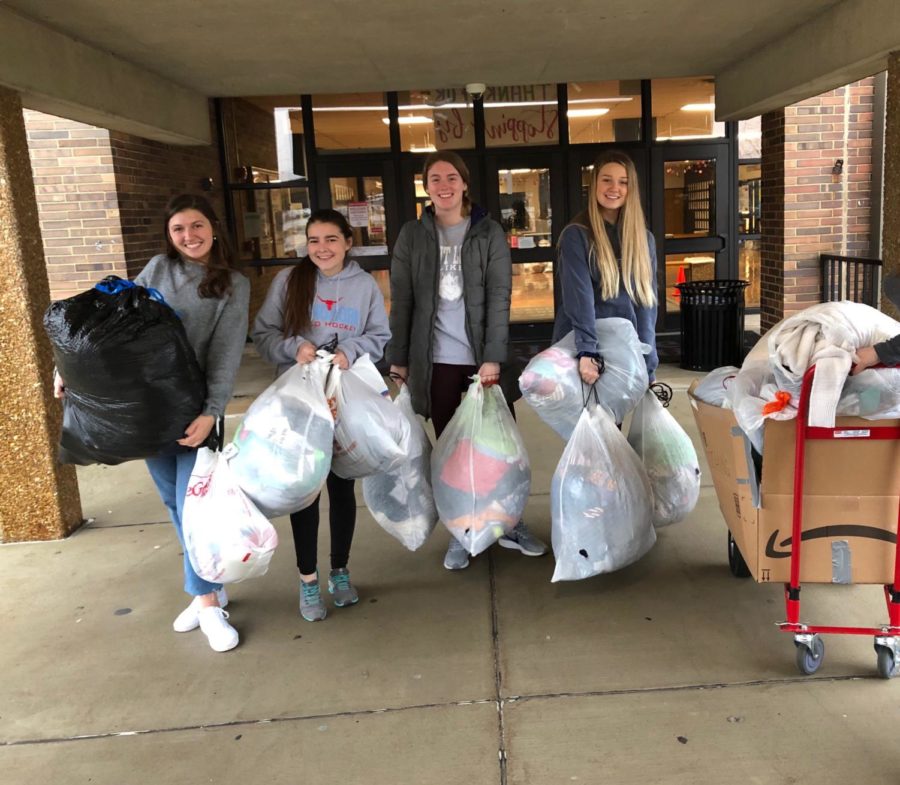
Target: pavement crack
(498, 672)
(249, 722)
(685, 687)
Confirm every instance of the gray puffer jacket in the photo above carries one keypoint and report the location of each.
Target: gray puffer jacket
(487, 287)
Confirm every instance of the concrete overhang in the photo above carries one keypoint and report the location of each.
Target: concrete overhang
(59, 75)
(146, 66)
(843, 44)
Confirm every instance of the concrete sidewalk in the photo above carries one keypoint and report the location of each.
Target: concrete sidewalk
(670, 671)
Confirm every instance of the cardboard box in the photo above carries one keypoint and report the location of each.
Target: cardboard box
(850, 507)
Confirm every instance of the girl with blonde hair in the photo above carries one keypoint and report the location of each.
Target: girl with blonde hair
(607, 265)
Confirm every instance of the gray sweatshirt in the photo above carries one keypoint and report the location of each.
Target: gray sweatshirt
(348, 305)
(216, 328)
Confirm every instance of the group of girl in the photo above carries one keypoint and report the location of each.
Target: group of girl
(451, 282)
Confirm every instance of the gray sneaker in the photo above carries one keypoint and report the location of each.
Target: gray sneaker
(311, 606)
(457, 557)
(340, 587)
(523, 540)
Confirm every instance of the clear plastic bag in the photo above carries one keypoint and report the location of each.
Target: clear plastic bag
(226, 538)
(669, 458)
(552, 385)
(600, 501)
(480, 470)
(371, 435)
(401, 500)
(281, 453)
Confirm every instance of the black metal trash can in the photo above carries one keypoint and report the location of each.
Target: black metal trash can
(712, 324)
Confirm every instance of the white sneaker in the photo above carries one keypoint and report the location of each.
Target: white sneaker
(214, 625)
(187, 620)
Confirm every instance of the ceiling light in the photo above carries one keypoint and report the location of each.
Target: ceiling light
(611, 100)
(413, 119)
(594, 112)
(708, 107)
(349, 108)
(426, 148)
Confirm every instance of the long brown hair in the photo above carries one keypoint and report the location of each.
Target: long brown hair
(216, 282)
(636, 272)
(454, 159)
(301, 283)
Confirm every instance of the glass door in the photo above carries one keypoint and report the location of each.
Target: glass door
(690, 220)
(526, 197)
(364, 192)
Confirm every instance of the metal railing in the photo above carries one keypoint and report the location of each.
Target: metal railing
(850, 278)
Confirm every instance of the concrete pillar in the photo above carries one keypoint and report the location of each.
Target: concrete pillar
(39, 500)
(891, 230)
(771, 294)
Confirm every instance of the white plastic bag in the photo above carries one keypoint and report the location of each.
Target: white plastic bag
(281, 453)
(552, 385)
(226, 538)
(599, 501)
(480, 470)
(669, 458)
(401, 500)
(715, 387)
(371, 435)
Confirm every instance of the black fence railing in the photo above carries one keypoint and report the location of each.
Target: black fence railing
(850, 278)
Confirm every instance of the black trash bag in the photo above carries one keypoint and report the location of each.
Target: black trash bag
(133, 383)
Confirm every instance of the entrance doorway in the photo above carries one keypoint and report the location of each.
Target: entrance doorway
(691, 223)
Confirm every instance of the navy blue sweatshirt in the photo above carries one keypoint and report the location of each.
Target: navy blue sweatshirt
(580, 300)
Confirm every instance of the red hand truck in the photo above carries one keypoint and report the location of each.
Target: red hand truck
(811, 647)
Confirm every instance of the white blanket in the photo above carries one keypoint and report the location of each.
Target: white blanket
(827, 336)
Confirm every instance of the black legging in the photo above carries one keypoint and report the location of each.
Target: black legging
(342, 518)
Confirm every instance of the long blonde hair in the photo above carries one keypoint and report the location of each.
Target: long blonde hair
(636, 270)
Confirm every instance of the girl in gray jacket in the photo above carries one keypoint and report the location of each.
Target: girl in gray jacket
(451, 281)
(325, 300)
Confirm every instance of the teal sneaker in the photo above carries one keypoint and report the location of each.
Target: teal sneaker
(341, 589)
(311, 606)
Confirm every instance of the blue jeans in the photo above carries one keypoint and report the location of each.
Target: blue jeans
(171, 475)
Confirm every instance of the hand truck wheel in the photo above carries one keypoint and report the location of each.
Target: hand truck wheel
(736, 563)
(887, 662)
(810, 653)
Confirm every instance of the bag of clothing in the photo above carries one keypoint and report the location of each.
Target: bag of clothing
(669, 459)
(371, 435)
(281, 452)
(133, 384)
(600, 504)
(401, 500)
(226, 538)
(552, 385)
(480, 470)
(769, 382)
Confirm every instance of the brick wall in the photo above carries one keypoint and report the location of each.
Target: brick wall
(147, 175)
(771, 303)
(822, 212)
(77, 205)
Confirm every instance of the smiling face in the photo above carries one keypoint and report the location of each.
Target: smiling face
(327, 247)
(612, 190)
(445, 187)
(191, 234)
